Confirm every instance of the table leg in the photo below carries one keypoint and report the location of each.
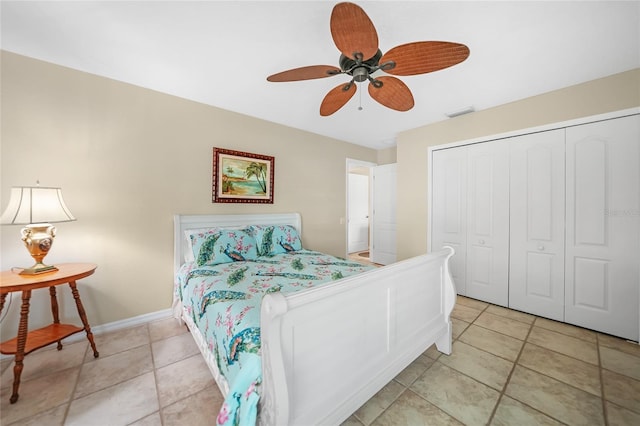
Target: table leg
(3, 297)
(22, 341)
(54, 310)
(83, 317)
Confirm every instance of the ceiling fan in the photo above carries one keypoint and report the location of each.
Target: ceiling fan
(355, 36)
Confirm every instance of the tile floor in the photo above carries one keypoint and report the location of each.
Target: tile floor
(507, 368)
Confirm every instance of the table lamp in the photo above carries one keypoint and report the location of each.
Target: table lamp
(36, 207)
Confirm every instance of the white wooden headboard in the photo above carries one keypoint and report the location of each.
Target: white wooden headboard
(183, 222)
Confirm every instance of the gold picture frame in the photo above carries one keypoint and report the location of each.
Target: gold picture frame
(242, 177)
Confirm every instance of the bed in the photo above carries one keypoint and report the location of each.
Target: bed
(321, 350)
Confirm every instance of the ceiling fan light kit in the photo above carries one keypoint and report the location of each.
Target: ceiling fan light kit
(356, 38)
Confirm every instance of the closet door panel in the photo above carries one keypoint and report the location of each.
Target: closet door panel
(449, 171)
(536, 261)
(488, 222)
(603, 215)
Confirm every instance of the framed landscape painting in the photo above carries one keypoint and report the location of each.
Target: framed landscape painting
(242, 177)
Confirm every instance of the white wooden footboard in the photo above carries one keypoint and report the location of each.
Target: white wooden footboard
(327, 350)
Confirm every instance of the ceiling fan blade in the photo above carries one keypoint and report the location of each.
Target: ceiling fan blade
(422, 57)
(393, 93)
(305, 73)
(337, 98)
(353, 32)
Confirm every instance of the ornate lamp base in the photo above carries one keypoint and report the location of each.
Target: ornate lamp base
(38, 268)
(38, 238)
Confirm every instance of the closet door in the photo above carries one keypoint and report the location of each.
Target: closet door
(603, 210)
(449, 220)
(488, 222)
(536, 259)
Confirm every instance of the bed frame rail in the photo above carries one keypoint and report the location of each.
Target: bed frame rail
(327, 350)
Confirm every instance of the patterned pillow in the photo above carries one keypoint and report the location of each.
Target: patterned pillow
(275, 239)
(194, 239)
(223, 246)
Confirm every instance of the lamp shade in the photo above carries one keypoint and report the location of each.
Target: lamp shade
(35, 204)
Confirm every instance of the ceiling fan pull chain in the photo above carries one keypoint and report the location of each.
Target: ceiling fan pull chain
(360, 103)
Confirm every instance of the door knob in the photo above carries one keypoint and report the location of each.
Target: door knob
(541, 248)
(481, 241)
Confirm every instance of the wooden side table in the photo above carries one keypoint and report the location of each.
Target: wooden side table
(28, 341)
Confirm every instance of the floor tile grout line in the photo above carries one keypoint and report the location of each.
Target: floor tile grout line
(75, 386)
(155, 376)
(599, 345)
(510, 376)
(600, 375)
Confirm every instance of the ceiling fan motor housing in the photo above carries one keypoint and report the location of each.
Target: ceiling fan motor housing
(349, 65)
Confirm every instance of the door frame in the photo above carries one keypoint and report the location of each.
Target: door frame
(352, 164)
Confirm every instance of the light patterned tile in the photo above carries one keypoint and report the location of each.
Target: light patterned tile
(620, 362)
(46, 361)
(462, 397)
(379, 402)
(52, 417)
(568, 329)
(621, 416)
(564, 344)
(173, 349)
(104, 372)
(432, 352)
(122, 404)
(622, 345)
(411, 409)
(622, 390)
(511, 314)
(414, 370)
(574, 372)
(472, 303)
(501, 324)
(465, 313)
(120, 340)
(352, 421)
(482, 366)
(200, 409)
(165, 328)
(181, 379)
(153, 419)
(458, 327)
(38, 395)
(555, 398)
(511, 412)
(493, 342)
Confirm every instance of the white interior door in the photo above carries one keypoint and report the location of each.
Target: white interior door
(603, 211)
(358, 220)
(536, 259)
(383, 214)
(488, 222)
(449, 209)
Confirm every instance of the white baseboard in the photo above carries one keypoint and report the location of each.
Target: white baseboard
(115, 326)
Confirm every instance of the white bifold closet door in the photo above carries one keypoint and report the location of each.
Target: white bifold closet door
(603, 215)
(488, 222)
(536, 268)
(449, 220)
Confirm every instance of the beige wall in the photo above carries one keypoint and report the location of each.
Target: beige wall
(387, 156)
(617, 92)
(128, 159)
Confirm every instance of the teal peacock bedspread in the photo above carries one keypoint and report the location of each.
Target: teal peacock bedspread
(223, 300)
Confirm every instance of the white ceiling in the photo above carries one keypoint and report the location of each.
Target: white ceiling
(220, 52)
